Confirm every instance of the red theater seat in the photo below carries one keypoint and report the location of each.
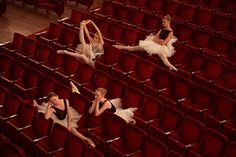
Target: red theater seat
(16, 44)
(40, 129)
(51, 34)
(149, 111)
(101, 79)
(133, 140)
(189, 133)
(213, 144)
(169, 121)
(142, 73)
(9, 109)
(200, 99)
(75, 147)
(54, 143)
(109, 59)
(221, 111)
(24, 119)
(74, 20)
(105, 135)
(125, 66)
(27, 83)
(85, 75)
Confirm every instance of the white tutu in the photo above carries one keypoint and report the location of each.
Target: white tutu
(92, 51)
(152, 47)
(126, 114)
(75, 116)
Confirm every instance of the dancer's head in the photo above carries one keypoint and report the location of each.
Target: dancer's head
(53, 98)
(96, 37)
(166, 20)
(100, 93)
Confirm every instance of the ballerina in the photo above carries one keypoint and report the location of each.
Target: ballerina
(160, 44)
(87, 52)
(61, 112)
(101, 104)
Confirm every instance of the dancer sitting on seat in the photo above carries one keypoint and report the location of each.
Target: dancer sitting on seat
(101, 104)
(61, 112)
(87, 52)
(160, 44)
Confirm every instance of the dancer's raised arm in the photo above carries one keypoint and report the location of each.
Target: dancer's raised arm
(87, 33)
(81, 34)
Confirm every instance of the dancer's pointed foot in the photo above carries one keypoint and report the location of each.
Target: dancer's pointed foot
(35, 104)
(132, 122)
(173, 68)
(90, 142)
(74, 89)
(118, 46)
(61, 51)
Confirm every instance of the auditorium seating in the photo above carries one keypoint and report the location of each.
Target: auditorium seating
(40, 129)
(189, 133)
(24, 119)
(132, 140)
(104, 136)
(186, 113)
(54, 143)
(213, 144)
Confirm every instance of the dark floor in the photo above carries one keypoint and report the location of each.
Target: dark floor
(26, 21)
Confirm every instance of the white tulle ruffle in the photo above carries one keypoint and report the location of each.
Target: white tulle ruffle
(126, 114)
(75, 116)
(151, 47)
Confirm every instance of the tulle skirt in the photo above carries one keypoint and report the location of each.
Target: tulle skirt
(152, 47)
(75, 116)
(126, 114)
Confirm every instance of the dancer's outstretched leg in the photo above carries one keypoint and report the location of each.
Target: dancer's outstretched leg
(74, 89)
(129, 48)
(166, 62)
(86, 139)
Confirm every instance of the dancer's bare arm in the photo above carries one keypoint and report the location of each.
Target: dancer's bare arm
(68, 115)
(87, 34)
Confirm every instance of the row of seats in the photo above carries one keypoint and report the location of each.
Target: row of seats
(48, 5)
(202, 41)
(190, 15)
(37, 135)
(217, 5)
(8, 149)
(176, 98)
(171, 89)
(46, 59)
(32, 131)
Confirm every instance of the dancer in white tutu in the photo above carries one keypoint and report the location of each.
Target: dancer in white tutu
(101, 104)
(160, 44)
(87, 52)
(61, 112)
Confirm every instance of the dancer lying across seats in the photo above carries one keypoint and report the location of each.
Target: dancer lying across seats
(160, 44)
(101, 104)
(87, 52)
(61, 112)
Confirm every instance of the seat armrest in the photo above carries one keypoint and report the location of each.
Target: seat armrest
(54, 151)
(63, 19)
(40, 33)
(2, 44)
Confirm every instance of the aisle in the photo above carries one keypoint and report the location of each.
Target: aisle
(26, 21)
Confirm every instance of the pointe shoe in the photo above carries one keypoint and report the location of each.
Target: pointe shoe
(90, 142)
(74, 89)
(61, 51)
(173, 68)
